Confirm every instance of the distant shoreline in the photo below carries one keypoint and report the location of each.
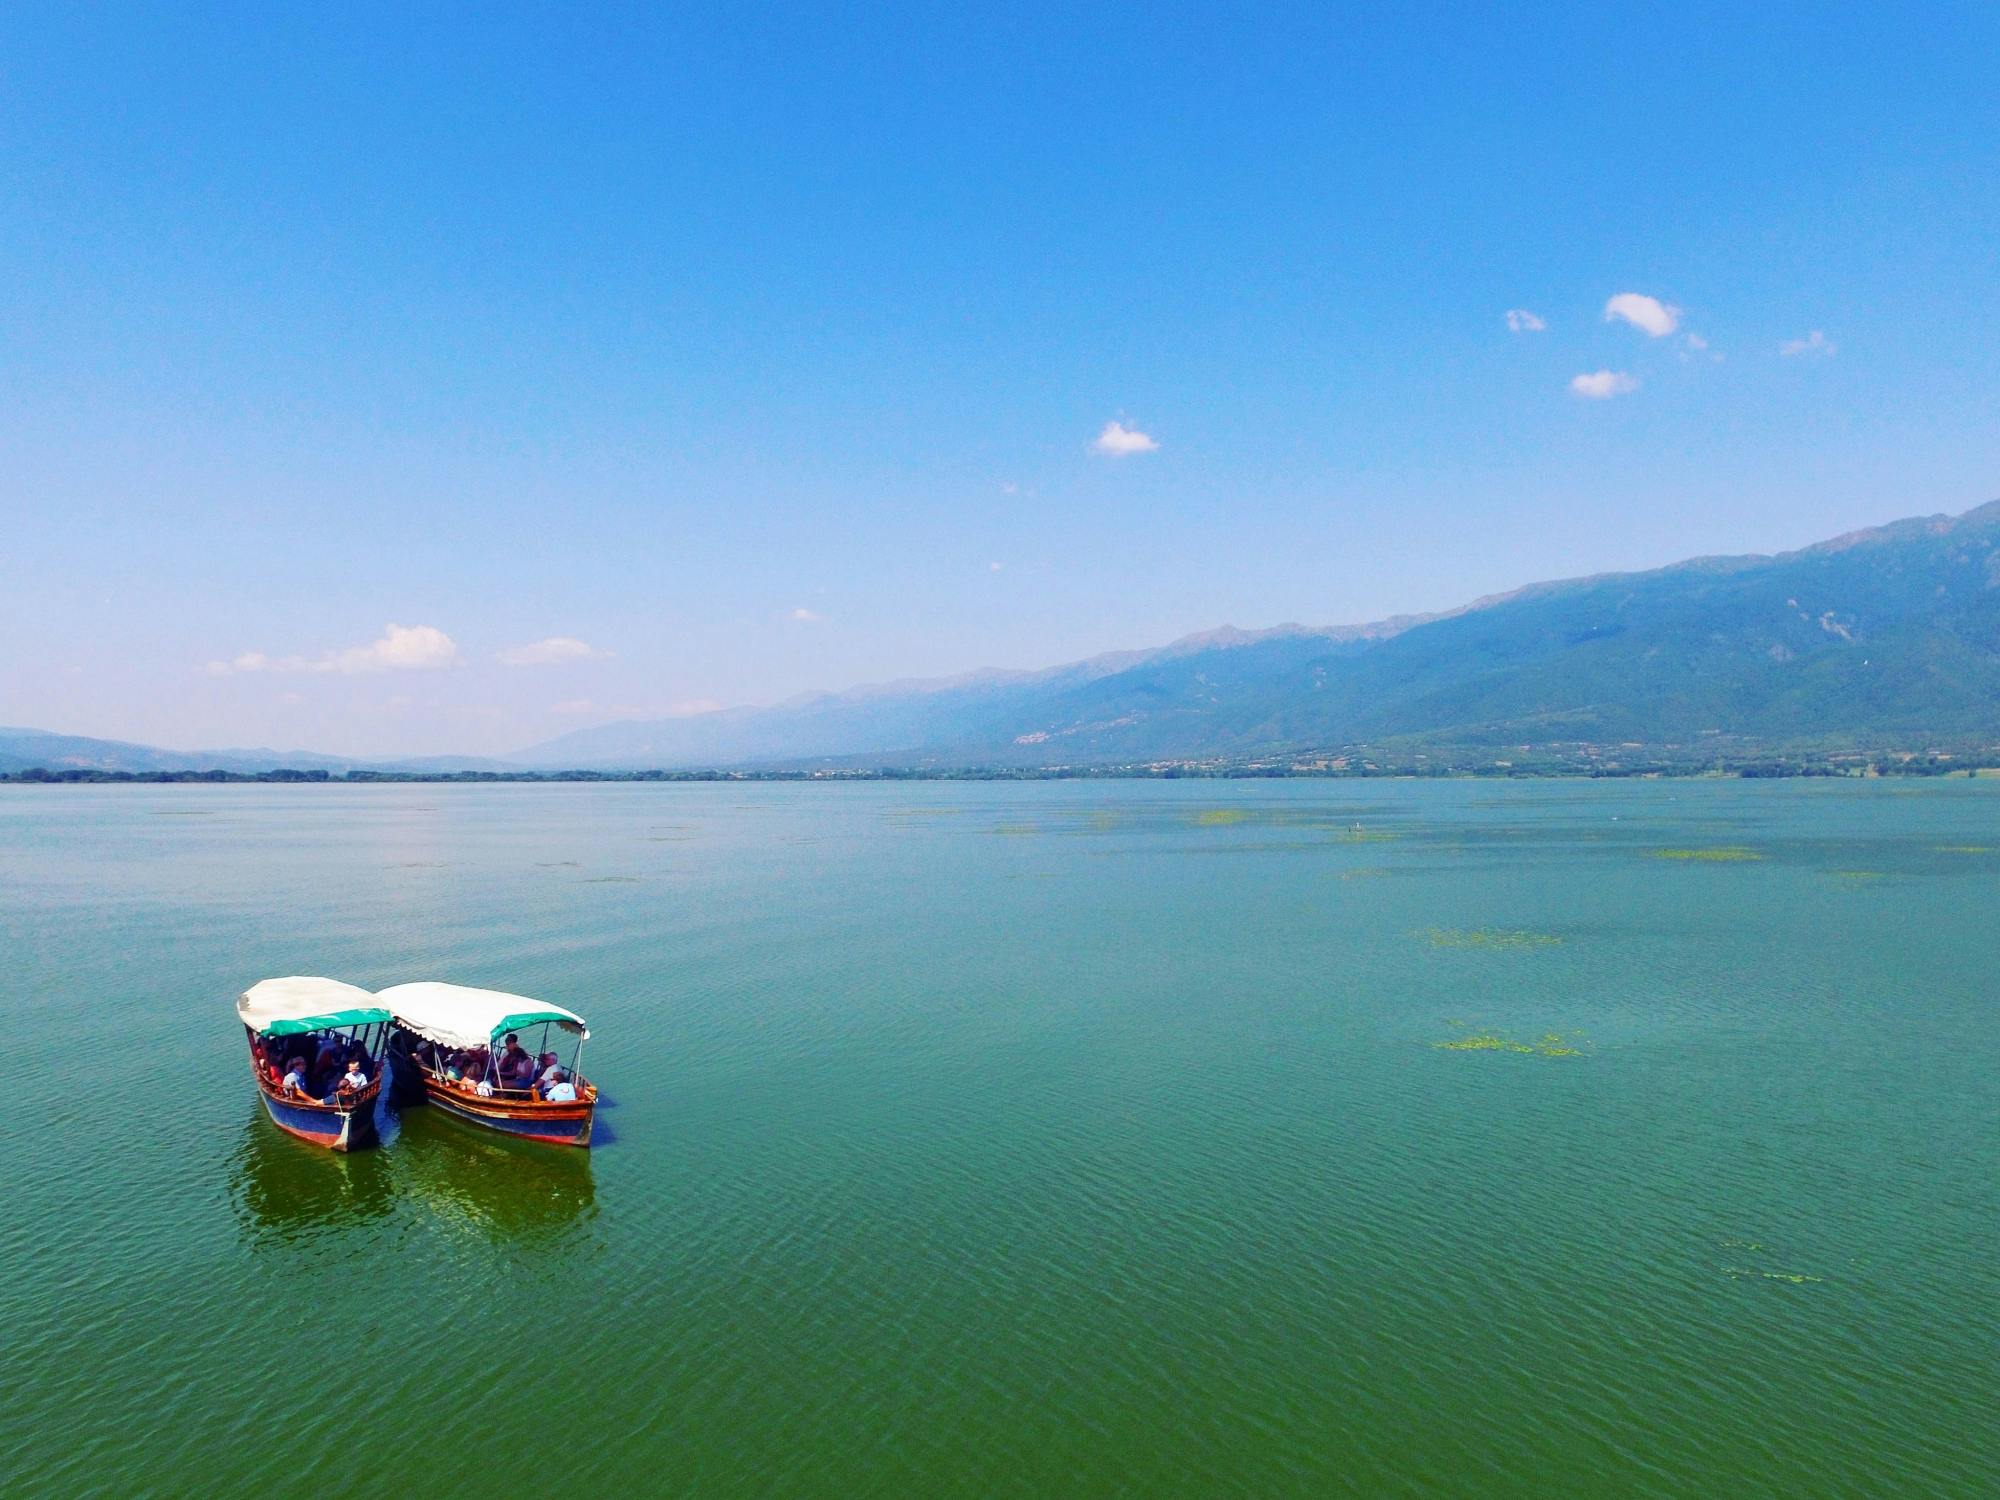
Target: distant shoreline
(1847, 768)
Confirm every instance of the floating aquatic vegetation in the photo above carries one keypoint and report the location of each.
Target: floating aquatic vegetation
(1549, 1044)
(1965, 849)
(1794, 1277)
(1364, 872)
(1482, 1042)
(1858, 877)
(1220, 817)
(1016, 830)
(1486, 937)
(1719, 854)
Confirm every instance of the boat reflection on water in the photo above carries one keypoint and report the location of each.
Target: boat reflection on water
(288, 1190)
(504, 1188)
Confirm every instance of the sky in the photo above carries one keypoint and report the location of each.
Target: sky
(401, 380)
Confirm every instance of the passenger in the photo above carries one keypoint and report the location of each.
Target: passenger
(546, 1078)
(562, 1091)
(517, 1068)
(356, 1077)
(329, 1059)
(295, 1076)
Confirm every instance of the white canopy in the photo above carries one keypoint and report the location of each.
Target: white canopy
(454, 1016)
(284, 1007)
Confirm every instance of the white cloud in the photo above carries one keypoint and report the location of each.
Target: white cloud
(1520, 320)
(995, 567)
(402, 648)
(573, 706)
(1648, 314)
(548, 652)
(805, 616)
(1696, 342)
(1120, 441)
(1603, 385)
(1815, 344)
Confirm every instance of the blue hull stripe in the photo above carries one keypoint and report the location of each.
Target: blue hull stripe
(322, 1126)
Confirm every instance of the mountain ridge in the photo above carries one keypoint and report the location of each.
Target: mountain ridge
(1885, 634)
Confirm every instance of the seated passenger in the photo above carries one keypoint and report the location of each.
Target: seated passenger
(295, 1076)
(329, 1058)
(562, 1091)
(517, 1068)
(548, 1072)
(355, 1078)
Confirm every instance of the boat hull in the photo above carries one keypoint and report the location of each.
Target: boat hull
(525, 1119)
(552, 1124)
(337, 1129)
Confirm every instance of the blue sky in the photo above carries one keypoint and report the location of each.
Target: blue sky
(750, 353)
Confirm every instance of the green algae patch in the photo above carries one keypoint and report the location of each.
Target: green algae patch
(1795, 1278)
(1503, 939)
(1722, 854)
(1549, 1044)
(1482, 1041)
(1965, 849)
(1016, 830)
(1858, 877)
(1220, 817)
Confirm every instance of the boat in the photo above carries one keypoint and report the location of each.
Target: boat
(305, 1016)
(443, 1048)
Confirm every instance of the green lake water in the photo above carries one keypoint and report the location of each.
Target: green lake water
(1064, 1139)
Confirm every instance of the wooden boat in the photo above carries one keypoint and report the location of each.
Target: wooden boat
(298, 1016)
(437, 1025)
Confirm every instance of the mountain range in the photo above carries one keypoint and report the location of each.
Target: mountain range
(1888, 637)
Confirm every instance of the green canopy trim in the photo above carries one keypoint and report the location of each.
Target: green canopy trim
(522, 1020)
(331, 1021)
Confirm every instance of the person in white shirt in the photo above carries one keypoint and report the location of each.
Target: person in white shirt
(354, 1078)
(295, 1076)
(562, 1091)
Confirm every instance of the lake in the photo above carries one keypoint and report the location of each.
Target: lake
(1072, 1139)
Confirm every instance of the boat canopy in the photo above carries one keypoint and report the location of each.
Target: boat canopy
(454, 1016)
(285, 1007)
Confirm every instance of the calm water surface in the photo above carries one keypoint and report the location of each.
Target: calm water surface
(1035, 1139)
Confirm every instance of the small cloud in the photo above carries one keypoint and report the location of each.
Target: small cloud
(805, 616)
(1648, 314)
(549, 652)
(573, 706)
(1603, 385)
(1119, 441)
(1814, 345)
(402, 648)
(1520, 320)
(1696, 342)
(996, 567)
(1010, 489)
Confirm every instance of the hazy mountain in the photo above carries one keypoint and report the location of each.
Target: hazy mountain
(1885, 635)
(30, 749)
